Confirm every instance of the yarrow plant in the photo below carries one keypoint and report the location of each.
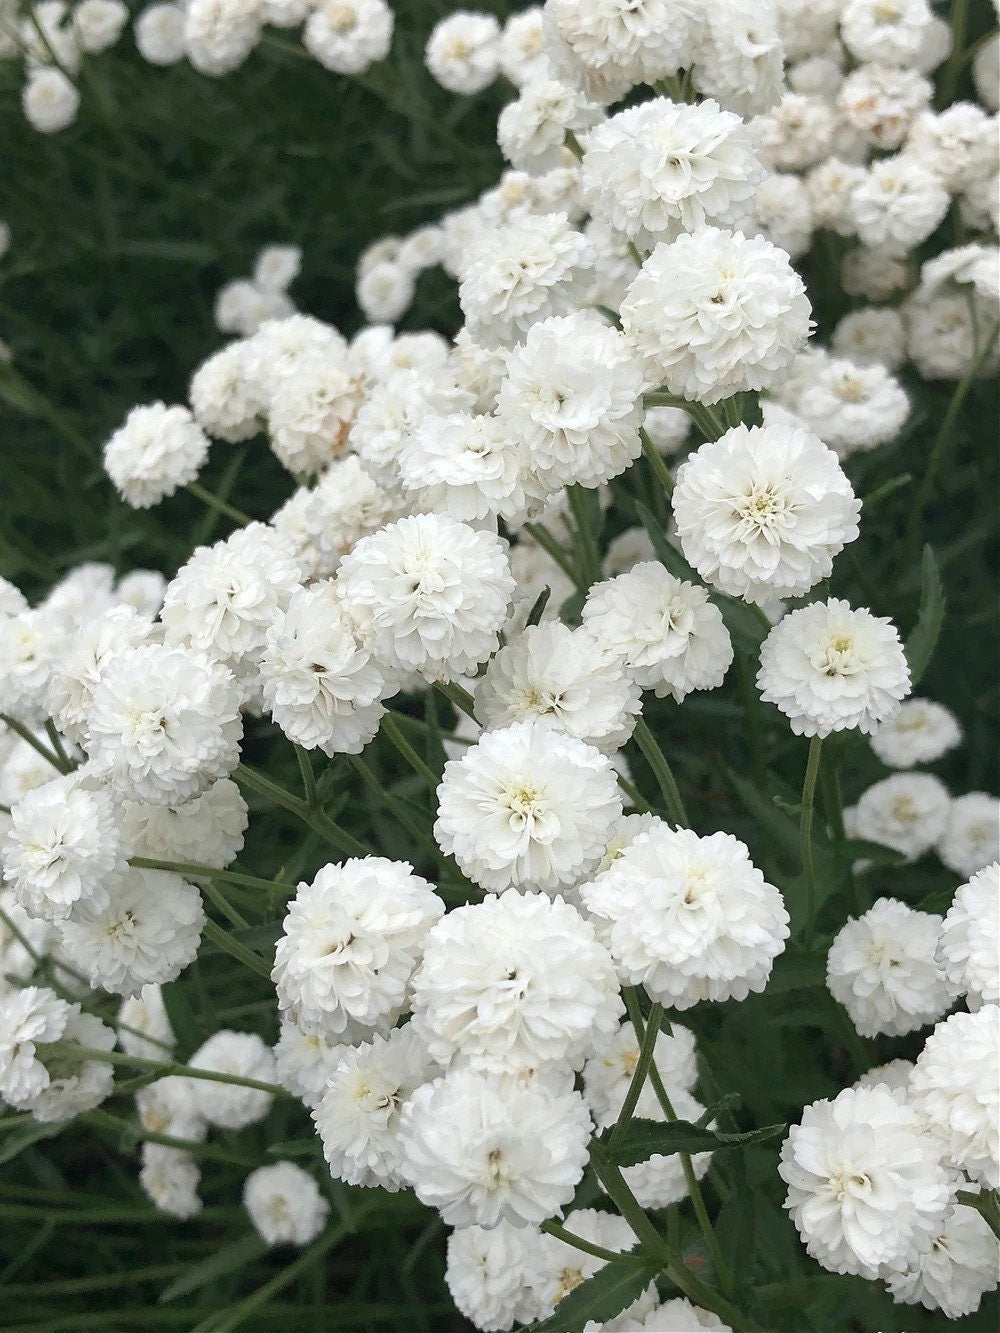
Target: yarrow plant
(446, 853)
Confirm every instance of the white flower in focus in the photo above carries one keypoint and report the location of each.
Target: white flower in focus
(319, 684)
(427, 594)
(284, 1204)
(169, 1176)
(164, 725)
(671, 637)
(957, 1271)
(660, 168)
(954, 1088)
(30, 1019)
(64, 848)
(866, 1188)
(515, 982)
(76, 670)
(348, 36)
(488, 1274)
(831, 668)
(969, 948)
(469, 467)
(149, 931)
(714, 313)
(32, 644)
(527, 806)
(463, 52)
(351, 941)
(207, 830)
(690, 918)
(882, 968)
(572, 395)
(49, 99)
(531, 130)
(220, 34)
(762, 511)
(482, 1149)
(231, 1105)
(222, 402)
(620, 44)
(394, 409)
(564, 676)
(157, 450)
(907, 812)
(358, 1115)
(971, 837)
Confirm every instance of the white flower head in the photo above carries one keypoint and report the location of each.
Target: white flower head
(220, 34)
(169, 1176)
(157, 450)
(351, 941)
(284, 1204)
(144, 1026)
(348, 36)
(971, 836)
(957, 1271)
(232, 1105)
(969, 948)
(908, 811)
(830, 668)
(608, 1074)
(207, 830)
(463, 52)
(527, 806)
(488, 1275)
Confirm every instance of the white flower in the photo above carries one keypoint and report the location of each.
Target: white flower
(676, 1316)
(762, 511)
(738, 55)
(278, 347)
(895, 1076)
(49, 99)
(481, 1150)
(907, 811)
(882, 968)
(971, 837)
(783, 214)
(559, 1268)
(624, 43)
(882, 102)
(284, 1204)
(522, 46)
(76, 670)
(141, 590)
(797, 133)
(958, 145)
(221, 400)
(690, 918)
(572, 395)
(954, 1087)
(164, 724)
(30, 1019)
(488, 1273)
(535, 265)
(64, 848)
(608, 1074)
(854, 407)
(515, 982)
(305, 1062)
(325, 522)
(242, 307)
(157, 450)
(75, 1083)
(385, 291)
(358, 1115)
(393, 409)
(168, 1106)
(898, 204)
(319, 684)
(668, 428)
(463, 52)
(565, 676)
(148, 932)
(207, 830)
(660, 168)
(277, 266)
(527, 806)
(231, 1105)
(144, 1027)
(531, 130)
(866, 1188)
(159, 33)
(222, 601)
(714, 312)
(32, 643)
(347, 36)
(871, 335)
(311, 412)
(351, 942)
(169, 1177)
(427, 594)
(672, 638)
(220, 34)
(469, 467)
(969, 947)
(99, 23)
(957, 1271)
(871, 274)
(831, 668)
(889, 34)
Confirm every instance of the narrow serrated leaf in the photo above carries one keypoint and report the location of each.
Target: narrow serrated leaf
(642, 1139)
(611, 1290)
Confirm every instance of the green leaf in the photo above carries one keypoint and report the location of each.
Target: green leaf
(535, 614)
(17, 1140)
(642, 1139)
(611, 1290)
(229, 1259)
(924, 636)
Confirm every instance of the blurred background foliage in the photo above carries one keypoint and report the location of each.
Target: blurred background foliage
(124, 228)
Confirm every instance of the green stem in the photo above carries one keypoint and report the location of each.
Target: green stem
(392, 731)
(308, 776)
(222, 506)
(578, 1243)
(636, 253)
(459, 696)
(161, 1068)
(21, 730)
(663, 774)
(224, 941)
(552, 548)
(400, 812)
(646, 1049)
(805, 832)
(634, 794)
(323, 824)
(196, 871)
(573, 144)
(590, 556)
(953, 65)
(655, 460)
(55, 739)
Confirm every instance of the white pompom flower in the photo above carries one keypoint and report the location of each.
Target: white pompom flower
(232, 1105)
(207, 830)
(969, 947)
(608, 1074)
(762, 511)
(527, 806)
(284, 1204)
(921, 732)
(957, 1271)
(351, 941)
(169, 1176)
(907, 811)
(488, 1274)
(830, 668)
(157, 450)
(971, 836)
